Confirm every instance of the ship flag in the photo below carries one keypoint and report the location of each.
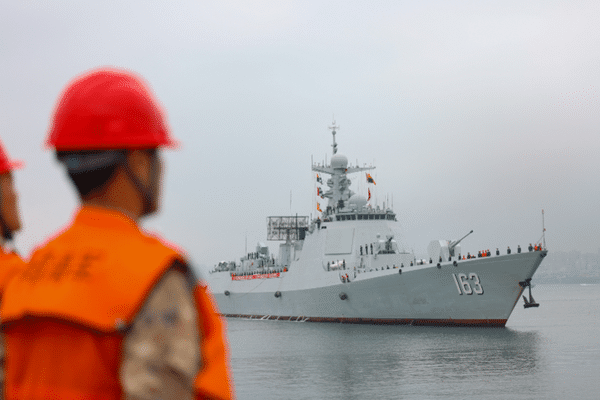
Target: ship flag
(319, 207)
(369, 190)
(370, 179)
(319, 179)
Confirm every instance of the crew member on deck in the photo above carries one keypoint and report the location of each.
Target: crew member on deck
(104, 310)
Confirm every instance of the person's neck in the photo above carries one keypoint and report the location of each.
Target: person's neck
(109, 206)
(119, 195)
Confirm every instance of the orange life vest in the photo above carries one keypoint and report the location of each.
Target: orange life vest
(64, 314)
(10, 265)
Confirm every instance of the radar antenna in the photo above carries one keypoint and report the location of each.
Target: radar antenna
(333, 128)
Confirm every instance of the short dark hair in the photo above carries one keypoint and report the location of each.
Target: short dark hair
(88, 182)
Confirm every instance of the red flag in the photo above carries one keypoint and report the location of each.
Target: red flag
(319, 207)
(369, 194)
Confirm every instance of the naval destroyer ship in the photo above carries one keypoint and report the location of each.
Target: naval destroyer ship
(345, 265)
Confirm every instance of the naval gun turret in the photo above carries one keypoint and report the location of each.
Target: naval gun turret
(388, 246)
(444, 249)
(452, 245)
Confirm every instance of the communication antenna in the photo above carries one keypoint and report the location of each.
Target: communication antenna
(543, 230)
(333, 128)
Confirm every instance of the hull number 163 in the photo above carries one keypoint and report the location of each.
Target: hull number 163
(467, 284)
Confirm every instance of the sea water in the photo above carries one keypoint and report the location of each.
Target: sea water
(550, 352)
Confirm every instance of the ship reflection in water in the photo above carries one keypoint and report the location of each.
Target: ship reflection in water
(344, 361)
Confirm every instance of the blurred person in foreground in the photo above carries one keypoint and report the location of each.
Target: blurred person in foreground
(10, 221)
(10, 262)
(103, 310)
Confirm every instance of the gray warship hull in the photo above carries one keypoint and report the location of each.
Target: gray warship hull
(418, 295)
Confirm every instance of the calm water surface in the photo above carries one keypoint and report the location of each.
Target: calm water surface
(552, 352)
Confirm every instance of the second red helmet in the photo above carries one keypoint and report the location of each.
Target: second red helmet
(6, 164)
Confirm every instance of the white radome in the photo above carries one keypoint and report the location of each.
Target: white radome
(357, 201)
(339, 161)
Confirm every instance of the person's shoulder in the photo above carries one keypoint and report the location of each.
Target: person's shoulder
(156, 239)
(55, 237)
(11, 264)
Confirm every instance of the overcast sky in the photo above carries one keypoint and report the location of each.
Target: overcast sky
(478, 115)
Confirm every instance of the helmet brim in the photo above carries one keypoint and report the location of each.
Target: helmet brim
(11, 166)
(16, 164)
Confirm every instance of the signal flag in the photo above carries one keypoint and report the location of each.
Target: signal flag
(370, 179)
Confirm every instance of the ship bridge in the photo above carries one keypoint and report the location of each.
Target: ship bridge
(362, 216)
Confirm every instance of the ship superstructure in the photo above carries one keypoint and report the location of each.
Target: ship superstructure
(346, 265)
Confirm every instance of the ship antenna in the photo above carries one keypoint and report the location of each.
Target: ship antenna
(543, 230)
(333, 128)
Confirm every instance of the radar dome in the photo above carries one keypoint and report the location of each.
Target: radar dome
(339, 161)
(357, 201)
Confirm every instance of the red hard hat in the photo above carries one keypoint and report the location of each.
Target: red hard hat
(6, 164)
(108, 109)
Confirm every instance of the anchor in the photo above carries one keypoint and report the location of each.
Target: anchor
(531, 302)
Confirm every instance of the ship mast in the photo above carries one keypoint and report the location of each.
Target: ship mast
(543, 230)
(333, 127)
(339, 192)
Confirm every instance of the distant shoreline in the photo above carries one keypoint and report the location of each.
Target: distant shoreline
(564, 281)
